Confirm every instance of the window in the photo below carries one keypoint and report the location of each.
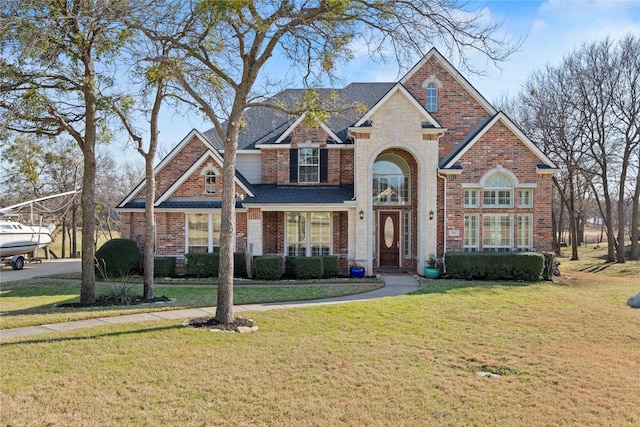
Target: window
(308, 165)
(498, 191)
(391, 181)
(471, 232)
(526, 198)
(308, 233)
(407, 234)
(210, 183)
(497, 232)
(525, 232)
(471, 198)
(203, 232)
(432, 97)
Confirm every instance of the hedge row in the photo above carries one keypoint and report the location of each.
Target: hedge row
(526, 266)
(330, 266)
(207, 264)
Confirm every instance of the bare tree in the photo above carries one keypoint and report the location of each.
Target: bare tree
(53, 81)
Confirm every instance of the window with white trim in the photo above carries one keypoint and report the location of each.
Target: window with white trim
(525, 197)
(498, 192)
(407, 234)
(210, 183)
(308, 165)
(203, 232)
(471, 232)
(497, 232)
(432, 97)
(525, 232)
(471, 198)
(308, 233)
(391, 181)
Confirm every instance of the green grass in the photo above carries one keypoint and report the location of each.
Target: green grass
(568, 354)
(37, 302)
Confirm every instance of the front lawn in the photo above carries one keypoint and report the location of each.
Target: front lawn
(36, 302)
(566, 354)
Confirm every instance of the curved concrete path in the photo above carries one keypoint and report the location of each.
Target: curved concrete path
(393, 285)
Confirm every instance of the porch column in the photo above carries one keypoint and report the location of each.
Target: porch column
(254, 230)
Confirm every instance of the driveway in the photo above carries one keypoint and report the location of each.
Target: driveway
(45, 268)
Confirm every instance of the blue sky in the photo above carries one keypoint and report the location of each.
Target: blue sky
(549, 29)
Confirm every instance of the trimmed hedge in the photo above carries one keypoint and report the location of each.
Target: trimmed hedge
(331, 265)
(290, 266)
(309, 267)
(268, 267)
(527, 266)
(117, 258)
(164, 266)
(208, 264)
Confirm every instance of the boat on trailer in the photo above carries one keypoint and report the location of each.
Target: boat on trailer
(17, 239)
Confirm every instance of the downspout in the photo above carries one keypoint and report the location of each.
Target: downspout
(444, 234)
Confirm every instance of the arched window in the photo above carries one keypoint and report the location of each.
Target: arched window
(391, 184)
(210, 182)
(432, 97)
(498, 191)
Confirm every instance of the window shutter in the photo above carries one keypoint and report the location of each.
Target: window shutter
(293, 165)
(324, 165)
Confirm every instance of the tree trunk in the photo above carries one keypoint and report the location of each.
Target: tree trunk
(150, 228)
(224, 307)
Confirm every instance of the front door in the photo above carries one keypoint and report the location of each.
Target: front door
(389, 243)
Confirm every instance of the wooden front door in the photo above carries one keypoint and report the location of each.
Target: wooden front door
(389, 240)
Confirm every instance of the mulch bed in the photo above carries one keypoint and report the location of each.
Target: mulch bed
(212, 323)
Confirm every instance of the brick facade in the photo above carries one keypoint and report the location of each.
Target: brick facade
(395, 126)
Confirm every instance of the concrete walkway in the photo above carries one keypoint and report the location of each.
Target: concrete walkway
(393, 285)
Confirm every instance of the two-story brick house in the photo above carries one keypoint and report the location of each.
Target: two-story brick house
(424, 165)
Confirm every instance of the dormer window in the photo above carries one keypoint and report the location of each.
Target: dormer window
(432, 97)
(210, 183)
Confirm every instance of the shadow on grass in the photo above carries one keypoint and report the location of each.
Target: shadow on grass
(442, 286)
(48, 338)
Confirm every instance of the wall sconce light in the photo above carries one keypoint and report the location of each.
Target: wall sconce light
(361, 214)
(431, 214)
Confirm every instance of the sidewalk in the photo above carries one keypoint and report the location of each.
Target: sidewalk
(393, 285)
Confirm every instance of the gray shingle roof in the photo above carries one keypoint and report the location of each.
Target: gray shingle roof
(274, 194)
(263, 125)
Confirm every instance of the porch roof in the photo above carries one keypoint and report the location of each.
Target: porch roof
(289, 194)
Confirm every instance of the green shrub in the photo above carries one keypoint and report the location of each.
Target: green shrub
(268, 267)
(164, 266)
(117, 258)
(525, 266)
(200, 264)
(120, 294)
(331, 265)
(290, 267)
(309, 267)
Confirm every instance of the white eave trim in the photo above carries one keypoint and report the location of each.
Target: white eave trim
(456, 75)
(397, 88)
(196, 165)
(514, 129)
(456, 171)
(176, 150)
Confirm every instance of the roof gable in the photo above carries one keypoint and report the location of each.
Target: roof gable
(450, 161)
(209, 155)
(434, 53)
(398, 89)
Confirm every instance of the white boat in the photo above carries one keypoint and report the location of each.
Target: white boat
(16, 238)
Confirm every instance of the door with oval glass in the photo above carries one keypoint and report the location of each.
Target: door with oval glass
(389, 243)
